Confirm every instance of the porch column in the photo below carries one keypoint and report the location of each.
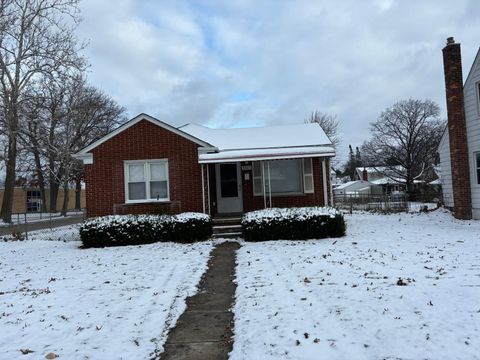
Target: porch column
(208, 190)
(269, 186)
(263, 184)
(203, 186)
(324, 176)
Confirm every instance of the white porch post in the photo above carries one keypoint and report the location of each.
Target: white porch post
(208, 189)
(203, 187)
(269, 186)
(325, 194)
(263, 184)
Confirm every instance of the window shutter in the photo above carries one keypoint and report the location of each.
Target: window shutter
(307, 176)
(257, 178)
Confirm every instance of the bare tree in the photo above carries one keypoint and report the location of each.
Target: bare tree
(328, 122)
(66, 115)
(404, 140)
(36, 37)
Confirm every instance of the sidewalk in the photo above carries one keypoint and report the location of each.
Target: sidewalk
(205, 329)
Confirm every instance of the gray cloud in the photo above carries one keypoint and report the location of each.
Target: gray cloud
(243, 63)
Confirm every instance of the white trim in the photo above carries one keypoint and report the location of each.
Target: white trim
(475, 169)
(134, 121)
(305, 175)
(477, 91)
(324, 174)
(262, 158)
(208, 190)
(146, 163)
(86, 158)
(203, 188)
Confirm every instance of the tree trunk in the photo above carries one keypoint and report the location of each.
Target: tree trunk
(65, 199)
(7, 204)
(41, 179)
(54, 186)
(78, 194)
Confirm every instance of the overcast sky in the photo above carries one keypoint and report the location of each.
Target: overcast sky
(240, 63)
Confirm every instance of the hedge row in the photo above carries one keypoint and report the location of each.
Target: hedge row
(117, 230)
(293, 224)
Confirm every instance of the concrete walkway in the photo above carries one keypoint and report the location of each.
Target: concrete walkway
(41, 224)
(205, 329)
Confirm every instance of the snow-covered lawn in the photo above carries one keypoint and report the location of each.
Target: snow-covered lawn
(93, 303)
(328, 299)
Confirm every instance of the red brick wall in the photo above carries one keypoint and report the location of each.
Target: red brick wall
(251, 202)
(105, 186)
(452, 62)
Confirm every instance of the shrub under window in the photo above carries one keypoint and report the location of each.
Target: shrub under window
(117, 230)
(293, 224)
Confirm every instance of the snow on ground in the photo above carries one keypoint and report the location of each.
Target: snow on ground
(327, 299)
(107, 303)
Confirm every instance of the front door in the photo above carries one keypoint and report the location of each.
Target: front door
(229, 188)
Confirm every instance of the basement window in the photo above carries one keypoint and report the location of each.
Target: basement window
(146, 181)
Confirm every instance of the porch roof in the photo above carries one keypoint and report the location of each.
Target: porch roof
(267, 154)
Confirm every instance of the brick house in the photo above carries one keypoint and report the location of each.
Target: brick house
(147, 166)
(459, 147)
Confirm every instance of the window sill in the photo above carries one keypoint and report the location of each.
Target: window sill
(133, 202)
(286, 195)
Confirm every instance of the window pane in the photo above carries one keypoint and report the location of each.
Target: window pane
(228, 180)
(257, 168)
(308, 183)
(158, 171)
(478, 160)
(307, 166)
(478, 176)
(285, 176)
(257, 186)
(158, 190)
(136, 191)
(136, 172)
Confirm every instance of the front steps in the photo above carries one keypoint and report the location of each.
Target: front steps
(227, 227)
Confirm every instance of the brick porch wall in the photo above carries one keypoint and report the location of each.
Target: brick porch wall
(105, 186)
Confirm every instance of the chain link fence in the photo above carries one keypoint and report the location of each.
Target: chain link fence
(43, 226)
(380, 203)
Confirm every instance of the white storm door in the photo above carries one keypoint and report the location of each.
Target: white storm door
(229, 188)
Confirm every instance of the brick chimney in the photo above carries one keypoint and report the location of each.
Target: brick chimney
(452, 65)
(364, 174)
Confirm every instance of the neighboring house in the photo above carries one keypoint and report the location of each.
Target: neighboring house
(358, 187)
(459, 147)
(146, 165)
(385, 177)
(28, 199)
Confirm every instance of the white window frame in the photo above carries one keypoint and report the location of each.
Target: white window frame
(476, 168)
(146, 164)
(262, 177)
(477, 92)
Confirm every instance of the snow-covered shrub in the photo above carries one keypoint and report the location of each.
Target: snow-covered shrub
(293, 224)
(117, 230)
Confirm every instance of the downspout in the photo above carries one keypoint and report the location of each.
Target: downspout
(325, 195)
(203, 187)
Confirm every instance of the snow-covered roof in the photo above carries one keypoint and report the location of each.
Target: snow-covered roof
(280, 136)
(354, 182)
(262, 143)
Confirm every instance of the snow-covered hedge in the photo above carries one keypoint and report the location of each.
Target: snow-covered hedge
(116, 230)
(293, 224)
